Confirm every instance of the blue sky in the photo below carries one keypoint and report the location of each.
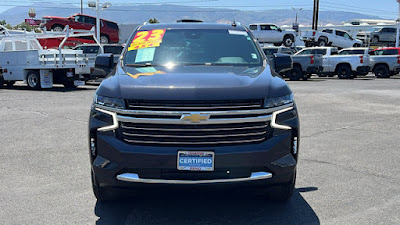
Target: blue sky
(383, 8)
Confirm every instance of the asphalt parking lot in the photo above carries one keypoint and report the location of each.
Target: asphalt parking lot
(349, 171)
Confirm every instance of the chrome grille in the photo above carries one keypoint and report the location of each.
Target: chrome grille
(189, 135)
(215, 105)
(194, 128)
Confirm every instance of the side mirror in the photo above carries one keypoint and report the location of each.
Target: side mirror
(105, 62)
(279, 29)
(282, 62)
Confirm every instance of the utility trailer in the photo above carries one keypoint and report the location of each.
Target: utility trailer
(22, 58)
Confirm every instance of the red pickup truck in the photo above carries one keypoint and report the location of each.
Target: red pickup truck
(109, 31)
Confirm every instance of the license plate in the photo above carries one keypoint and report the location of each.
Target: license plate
(195, 161)
(79, 82)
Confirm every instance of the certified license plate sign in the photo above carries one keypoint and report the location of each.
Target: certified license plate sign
(195, 160)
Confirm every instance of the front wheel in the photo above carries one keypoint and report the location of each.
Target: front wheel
(344, 72)
(381, 71)
(102, 194)
(58, 28)
(69, 84)
(33, 80)
(288, 40)
(295, 74)
(282, 192)
(1, 80)
(322, 42)
(375, 40)
(104, 39)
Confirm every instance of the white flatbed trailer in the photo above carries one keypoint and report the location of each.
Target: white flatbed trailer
(23, 59)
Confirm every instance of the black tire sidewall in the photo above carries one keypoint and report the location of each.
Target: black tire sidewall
(384, 68)
(296, 74)
(286, 38)
(38, 85)
(346, 69)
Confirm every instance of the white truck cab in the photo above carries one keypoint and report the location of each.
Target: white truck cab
(330, 37)
(271, 33)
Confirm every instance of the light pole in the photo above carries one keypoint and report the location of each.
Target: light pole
(398, 26)
(96, 6)
(297, 12)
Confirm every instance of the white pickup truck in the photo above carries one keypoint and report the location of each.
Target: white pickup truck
(384, 62)
(271, 33)
(345, 66)
(330, 37)
(22, 58)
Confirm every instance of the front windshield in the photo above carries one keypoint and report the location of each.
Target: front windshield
(192, 47)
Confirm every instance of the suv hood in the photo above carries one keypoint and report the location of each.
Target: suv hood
(193, 83)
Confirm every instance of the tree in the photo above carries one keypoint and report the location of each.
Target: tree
(153, 20)
(3, 22)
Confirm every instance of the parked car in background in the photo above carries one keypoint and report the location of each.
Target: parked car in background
(385, 62)
(377, 35)
(109, 31)
(330, 37)
(270, 50)
(345, 66)
(92, 50)
(271, 33)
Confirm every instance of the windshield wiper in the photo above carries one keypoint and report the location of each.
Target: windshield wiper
(139, 64)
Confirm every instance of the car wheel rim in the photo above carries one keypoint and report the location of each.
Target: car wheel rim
(103, 40)
(32, 81)
(289, 41)
(58, 29)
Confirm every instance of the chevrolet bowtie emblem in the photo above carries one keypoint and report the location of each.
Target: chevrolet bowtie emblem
(195, 117)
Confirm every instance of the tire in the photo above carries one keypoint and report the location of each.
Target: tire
(322, 42)
(344, 72)
(288, 40)
(103, 194)
(375, 40)
(295, 74)
(57, 28)
(282, 192)
(381, 71)
(69, 84)
(10, 83)
(277, 44)
(104, 39)
(33, 80)
(308, 44)
(356, 45)
(1, 81)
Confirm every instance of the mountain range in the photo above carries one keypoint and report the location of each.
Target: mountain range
(131, 14)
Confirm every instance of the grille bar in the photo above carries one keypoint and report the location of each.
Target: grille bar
(194, 137)
(177, 105)
(230, 142)
(195, 129)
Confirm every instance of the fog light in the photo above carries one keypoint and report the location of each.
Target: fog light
(295, 145)
(93, 146)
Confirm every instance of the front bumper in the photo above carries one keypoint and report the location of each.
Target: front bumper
(116, 163)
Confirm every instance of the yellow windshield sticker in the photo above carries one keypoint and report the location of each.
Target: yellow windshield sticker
(135, 76)
(147, 39)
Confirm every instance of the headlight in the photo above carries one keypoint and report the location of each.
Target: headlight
(278, 101)
(109, 102)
